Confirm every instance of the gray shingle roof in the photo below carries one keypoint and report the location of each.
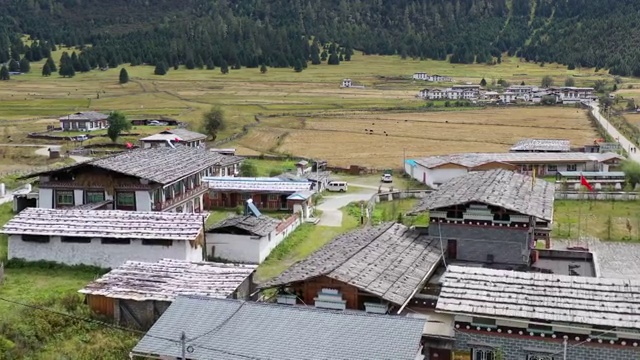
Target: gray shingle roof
(471, 160)
(261, 226)
(613, 259)
(541, 145)
(86, 115)
(236, 330)
(564, 298)
(168, 278)
(389, 260)
(502, 188)
(106, 224)
(162, 165)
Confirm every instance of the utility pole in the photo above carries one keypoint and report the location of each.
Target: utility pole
(183, 341)
(564, 351)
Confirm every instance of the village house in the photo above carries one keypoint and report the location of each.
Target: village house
(156, 179)
(266, 193)
(346, 83)
(260, 330)
(459, 92)
(521, 89)
(347, 273)
(104, 238)
(436, 170)
(571, 94)
(495, 216)
(541, 145)
(168, 137)
(420, 76)
(250, 237)
(84, 121)
(439, 78)
(523, 315)
(137, 293)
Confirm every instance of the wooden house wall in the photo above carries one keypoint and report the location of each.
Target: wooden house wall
(310, 289)
(232, 200)
(101, 304)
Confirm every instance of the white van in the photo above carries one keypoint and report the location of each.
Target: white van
(337, 186)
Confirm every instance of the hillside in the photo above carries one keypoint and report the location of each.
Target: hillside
(588, 33)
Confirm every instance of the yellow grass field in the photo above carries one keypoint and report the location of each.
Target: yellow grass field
(343, 140)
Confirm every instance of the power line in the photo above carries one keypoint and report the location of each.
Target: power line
(116, 327)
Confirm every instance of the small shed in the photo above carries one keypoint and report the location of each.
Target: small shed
(137, 293)
(54, 152)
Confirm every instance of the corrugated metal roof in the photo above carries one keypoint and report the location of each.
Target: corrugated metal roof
(106, 224)
(235, 330)
(575, 299)
(168, 278)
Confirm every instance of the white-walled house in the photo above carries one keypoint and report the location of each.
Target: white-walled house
(248, 238)
(104, 238)
(436, 170)
(420, 76)
(84, 121)
(346, 83)
(182, 136)
(461, 93)
(155, 179)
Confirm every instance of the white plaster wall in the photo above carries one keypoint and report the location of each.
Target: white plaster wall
(243, 248)
(45, 198)
(192, 253)
(78, 197)
(441, 176)
(94, 253)
(266, 245)
(143, 201)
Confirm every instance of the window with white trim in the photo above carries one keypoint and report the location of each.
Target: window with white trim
(552, 167)
(64, 198)
(572, 167)
(483, 354)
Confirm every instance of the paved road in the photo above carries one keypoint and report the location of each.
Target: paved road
(330, 206)
(613, 132)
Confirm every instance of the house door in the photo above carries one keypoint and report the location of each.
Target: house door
(283, 202)
(264, 199)
(439, 354)
(452, 249)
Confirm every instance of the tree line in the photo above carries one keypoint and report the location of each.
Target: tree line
(292, 33)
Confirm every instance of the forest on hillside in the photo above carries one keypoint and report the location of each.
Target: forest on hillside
(249, 33)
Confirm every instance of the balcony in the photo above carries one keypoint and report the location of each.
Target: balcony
(161, 206)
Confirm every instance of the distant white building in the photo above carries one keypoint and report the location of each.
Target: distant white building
(431, 78)
(104, 238)
(346, 83)
(420, 76)
(449, 94)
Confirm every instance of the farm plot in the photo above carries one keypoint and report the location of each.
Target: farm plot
(379, 140)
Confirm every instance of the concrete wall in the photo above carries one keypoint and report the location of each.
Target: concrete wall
(518, 347)
(45, 198)
(241, 248)
(507, 245)
(95, 253)
(143, 200)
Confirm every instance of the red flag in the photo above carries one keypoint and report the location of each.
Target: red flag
(585, 183)
(129, 145)
(177, 139)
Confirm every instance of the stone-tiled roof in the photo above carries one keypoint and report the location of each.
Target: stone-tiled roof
(471, 160)
(388, 260)
(225, 329)
(172, 134)
(261, 226)
(611, 259)
(168, 278)
(162, 165)
(503, 188)
(542, 145)
(86, 115)
(487, 292)
(106, 224)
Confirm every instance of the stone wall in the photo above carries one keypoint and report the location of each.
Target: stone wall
(515, 347)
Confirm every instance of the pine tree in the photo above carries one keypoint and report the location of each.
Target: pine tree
(323, 55)
(210, 65)
(46, 70)
(66, 66)
(522, 83)
(75, 62)
(263, 69)
(161, 68)
(483, 82)
(224, 67)
(4, 73)
(333, 59)
(298, 66)
(52, 64)
(341, 58)
(102, 63)
(25, 66)
(190, 64)
(199, 62)
(124, 76)
(14, 66)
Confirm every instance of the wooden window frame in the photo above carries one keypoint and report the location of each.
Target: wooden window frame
(43, 239)
(119, 206)
(89, 193)
(58, 193)
(114, 241)
(75, 239)
(157, 242)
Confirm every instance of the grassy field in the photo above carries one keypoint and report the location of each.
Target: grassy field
(306, 239)
(346, 139)
(186, 94)
(607, 220)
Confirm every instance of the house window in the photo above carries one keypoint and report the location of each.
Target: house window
(539, 357)
(93, 197)
(572, 167)
(552, 167)
(125, 200)
(535, 328)
(157, 242)
(64, 198)
(75, 239)
(36, 238)
(273, 197)
(483, 354)
(111, 241)
(479, 321)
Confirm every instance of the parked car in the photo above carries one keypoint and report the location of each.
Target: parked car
(340, 186)
(156, 123)
(386, 178)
